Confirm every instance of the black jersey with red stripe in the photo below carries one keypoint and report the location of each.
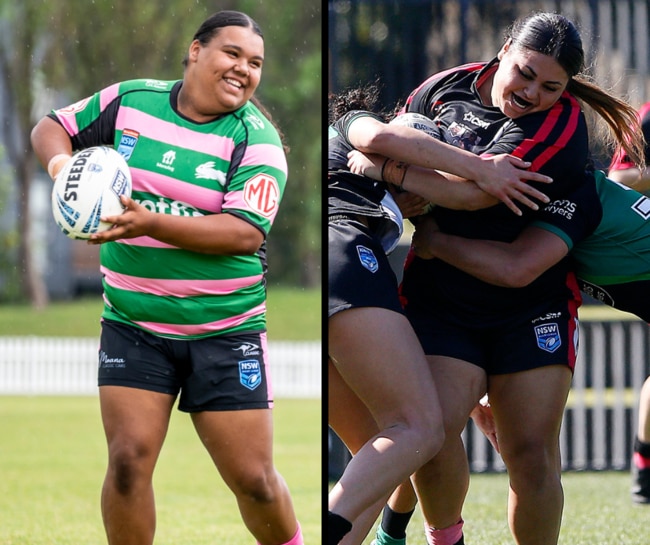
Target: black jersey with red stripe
(556, 143)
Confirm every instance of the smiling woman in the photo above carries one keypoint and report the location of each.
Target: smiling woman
(222, 71)
(184, 272)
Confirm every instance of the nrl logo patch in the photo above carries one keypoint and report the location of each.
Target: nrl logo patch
(548, 337)
(368, 259)
(250, 374)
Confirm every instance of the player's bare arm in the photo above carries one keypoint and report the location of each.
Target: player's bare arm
(223, 234)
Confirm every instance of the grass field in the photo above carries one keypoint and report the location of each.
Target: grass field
(292, 315)
(597, 511)
(52, 462)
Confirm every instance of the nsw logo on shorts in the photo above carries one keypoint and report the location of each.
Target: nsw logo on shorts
(368, 259)
(548, 337)
(250, 373)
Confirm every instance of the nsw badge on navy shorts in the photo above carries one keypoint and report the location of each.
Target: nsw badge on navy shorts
(250, 374)
(548, 337)
(367, 258)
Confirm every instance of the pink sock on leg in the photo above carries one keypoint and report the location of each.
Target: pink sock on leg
(295, 540)
(444, 536)
(640, 461)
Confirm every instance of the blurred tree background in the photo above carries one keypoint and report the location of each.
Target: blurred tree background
(55, 52)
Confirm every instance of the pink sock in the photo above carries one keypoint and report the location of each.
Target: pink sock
(295, 540)
(444, 536)
(640, 461)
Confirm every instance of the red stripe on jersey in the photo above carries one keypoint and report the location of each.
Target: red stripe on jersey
(470, 67)
(410, 256)
(488, 73)
(561, 142)
(574, 304)
(555, 114)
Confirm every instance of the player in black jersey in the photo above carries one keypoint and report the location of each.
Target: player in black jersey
(378, 374)
(605, 227)
(507, 341)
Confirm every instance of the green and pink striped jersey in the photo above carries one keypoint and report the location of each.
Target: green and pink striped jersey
(234, 164)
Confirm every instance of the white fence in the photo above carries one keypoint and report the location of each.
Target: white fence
(50, 365)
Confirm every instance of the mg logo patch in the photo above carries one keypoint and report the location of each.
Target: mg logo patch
(250, 374)
(548, 337)
(368, 259)
(262, 194)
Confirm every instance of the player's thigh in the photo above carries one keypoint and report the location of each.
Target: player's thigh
(378, 355)
(460, 386)
(237, 441)
(528, 406)
(135, 418)
(347, 415)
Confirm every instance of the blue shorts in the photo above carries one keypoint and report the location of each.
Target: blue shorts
(221, 373)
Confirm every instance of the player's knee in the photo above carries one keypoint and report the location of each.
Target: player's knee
(429, 426)
(425, 434)
(128, 466)
(533, 457)
(257, 484)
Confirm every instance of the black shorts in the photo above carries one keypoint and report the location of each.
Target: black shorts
(359, 273)
(633, 297)
(222, 373)
(544, 335)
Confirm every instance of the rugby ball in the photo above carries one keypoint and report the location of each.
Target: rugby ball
(87, 188)
(417, 121)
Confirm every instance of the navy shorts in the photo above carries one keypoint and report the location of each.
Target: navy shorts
(359, 273)
(546, 334)
(633, 297)
(222, 373)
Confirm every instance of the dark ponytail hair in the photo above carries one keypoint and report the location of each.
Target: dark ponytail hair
(554, 35)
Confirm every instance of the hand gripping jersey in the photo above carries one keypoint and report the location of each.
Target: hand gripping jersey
(556, 143)
(234, 164)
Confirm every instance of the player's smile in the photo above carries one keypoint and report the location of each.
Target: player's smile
(520, 102)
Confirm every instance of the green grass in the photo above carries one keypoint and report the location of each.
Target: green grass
(52, 463)
(597, 511)
(293, 315)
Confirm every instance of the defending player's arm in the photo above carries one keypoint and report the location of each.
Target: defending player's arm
(425, 182)
(501, 176)
(511, 265)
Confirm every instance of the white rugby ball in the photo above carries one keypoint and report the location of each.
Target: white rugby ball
(417, 121)
(87, 188)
